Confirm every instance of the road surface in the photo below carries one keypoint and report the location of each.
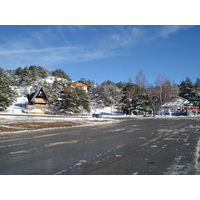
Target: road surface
(132, 146)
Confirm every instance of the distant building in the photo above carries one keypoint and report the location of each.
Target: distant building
(79, 84)
(37, 100)
(178, 98)
(177, 107)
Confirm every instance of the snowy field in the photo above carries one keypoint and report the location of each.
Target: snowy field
(18, 107)
(15, 120)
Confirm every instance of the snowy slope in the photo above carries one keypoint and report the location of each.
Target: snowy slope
(18, 106)
(51, 79)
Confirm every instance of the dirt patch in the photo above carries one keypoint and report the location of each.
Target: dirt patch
(8, 127)
(30, 125)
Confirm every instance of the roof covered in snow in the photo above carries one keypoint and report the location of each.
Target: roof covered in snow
(176, 104)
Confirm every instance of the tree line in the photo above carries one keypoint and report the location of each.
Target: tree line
(137, 96)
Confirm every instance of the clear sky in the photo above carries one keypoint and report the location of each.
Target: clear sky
(101, 53)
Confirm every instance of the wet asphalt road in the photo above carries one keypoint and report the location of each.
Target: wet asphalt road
(133, 146)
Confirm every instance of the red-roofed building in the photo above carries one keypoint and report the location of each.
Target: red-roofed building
(79, 84)
(179, 107)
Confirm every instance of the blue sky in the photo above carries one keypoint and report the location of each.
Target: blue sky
(101, 53)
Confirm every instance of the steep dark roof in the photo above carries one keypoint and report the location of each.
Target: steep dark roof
(32, 96)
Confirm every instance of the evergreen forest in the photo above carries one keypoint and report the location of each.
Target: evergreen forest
(137, 95)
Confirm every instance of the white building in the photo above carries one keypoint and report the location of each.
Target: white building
(176, 107)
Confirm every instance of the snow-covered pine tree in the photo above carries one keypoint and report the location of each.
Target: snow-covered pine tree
(112, 93)
(26, 77)
(96, 95)
(7, 95)
(68, 103)
(187, 89)
(59, 73)
(197, 92)
(134, 97)
(33, 73)
(127, 97)
(74, 100)
(18, 76)
(82, 100)
(42, 73)
(57, 90)
(10, 76)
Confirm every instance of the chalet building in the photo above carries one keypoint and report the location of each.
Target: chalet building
(37, 100)
(79, 84)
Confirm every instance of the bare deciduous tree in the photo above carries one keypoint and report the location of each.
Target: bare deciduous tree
(164, 89)
(141, 80)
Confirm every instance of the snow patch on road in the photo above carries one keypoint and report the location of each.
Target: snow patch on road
(117, 130)
(197, 158)
(61, 143)
(154, 146)
(142, 138)
(121, 145)
(177, 168)
(78, 164)
(18, 152)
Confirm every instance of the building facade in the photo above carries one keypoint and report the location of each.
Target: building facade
(79, 84)
(37, 100)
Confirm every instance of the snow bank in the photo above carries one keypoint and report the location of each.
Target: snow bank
(107, 111)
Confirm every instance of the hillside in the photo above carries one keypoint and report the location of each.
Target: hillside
(130, 97)
(26, 80)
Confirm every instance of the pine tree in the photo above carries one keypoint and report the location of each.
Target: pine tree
(26, 77)
(18, 76)
(187, 89)
(59, 73)
(69, 100)
(33, 73)
(7, 95)
(197, 92)
(10, 77)
(97, 96)
(75, 100)
(111, 93)
(42, 73)
(133, 98)
(82, 100)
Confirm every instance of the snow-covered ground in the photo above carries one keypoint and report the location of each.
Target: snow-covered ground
(18, 107)
(108, 111)
(19, 123)
(51, 79)
(43, 118)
